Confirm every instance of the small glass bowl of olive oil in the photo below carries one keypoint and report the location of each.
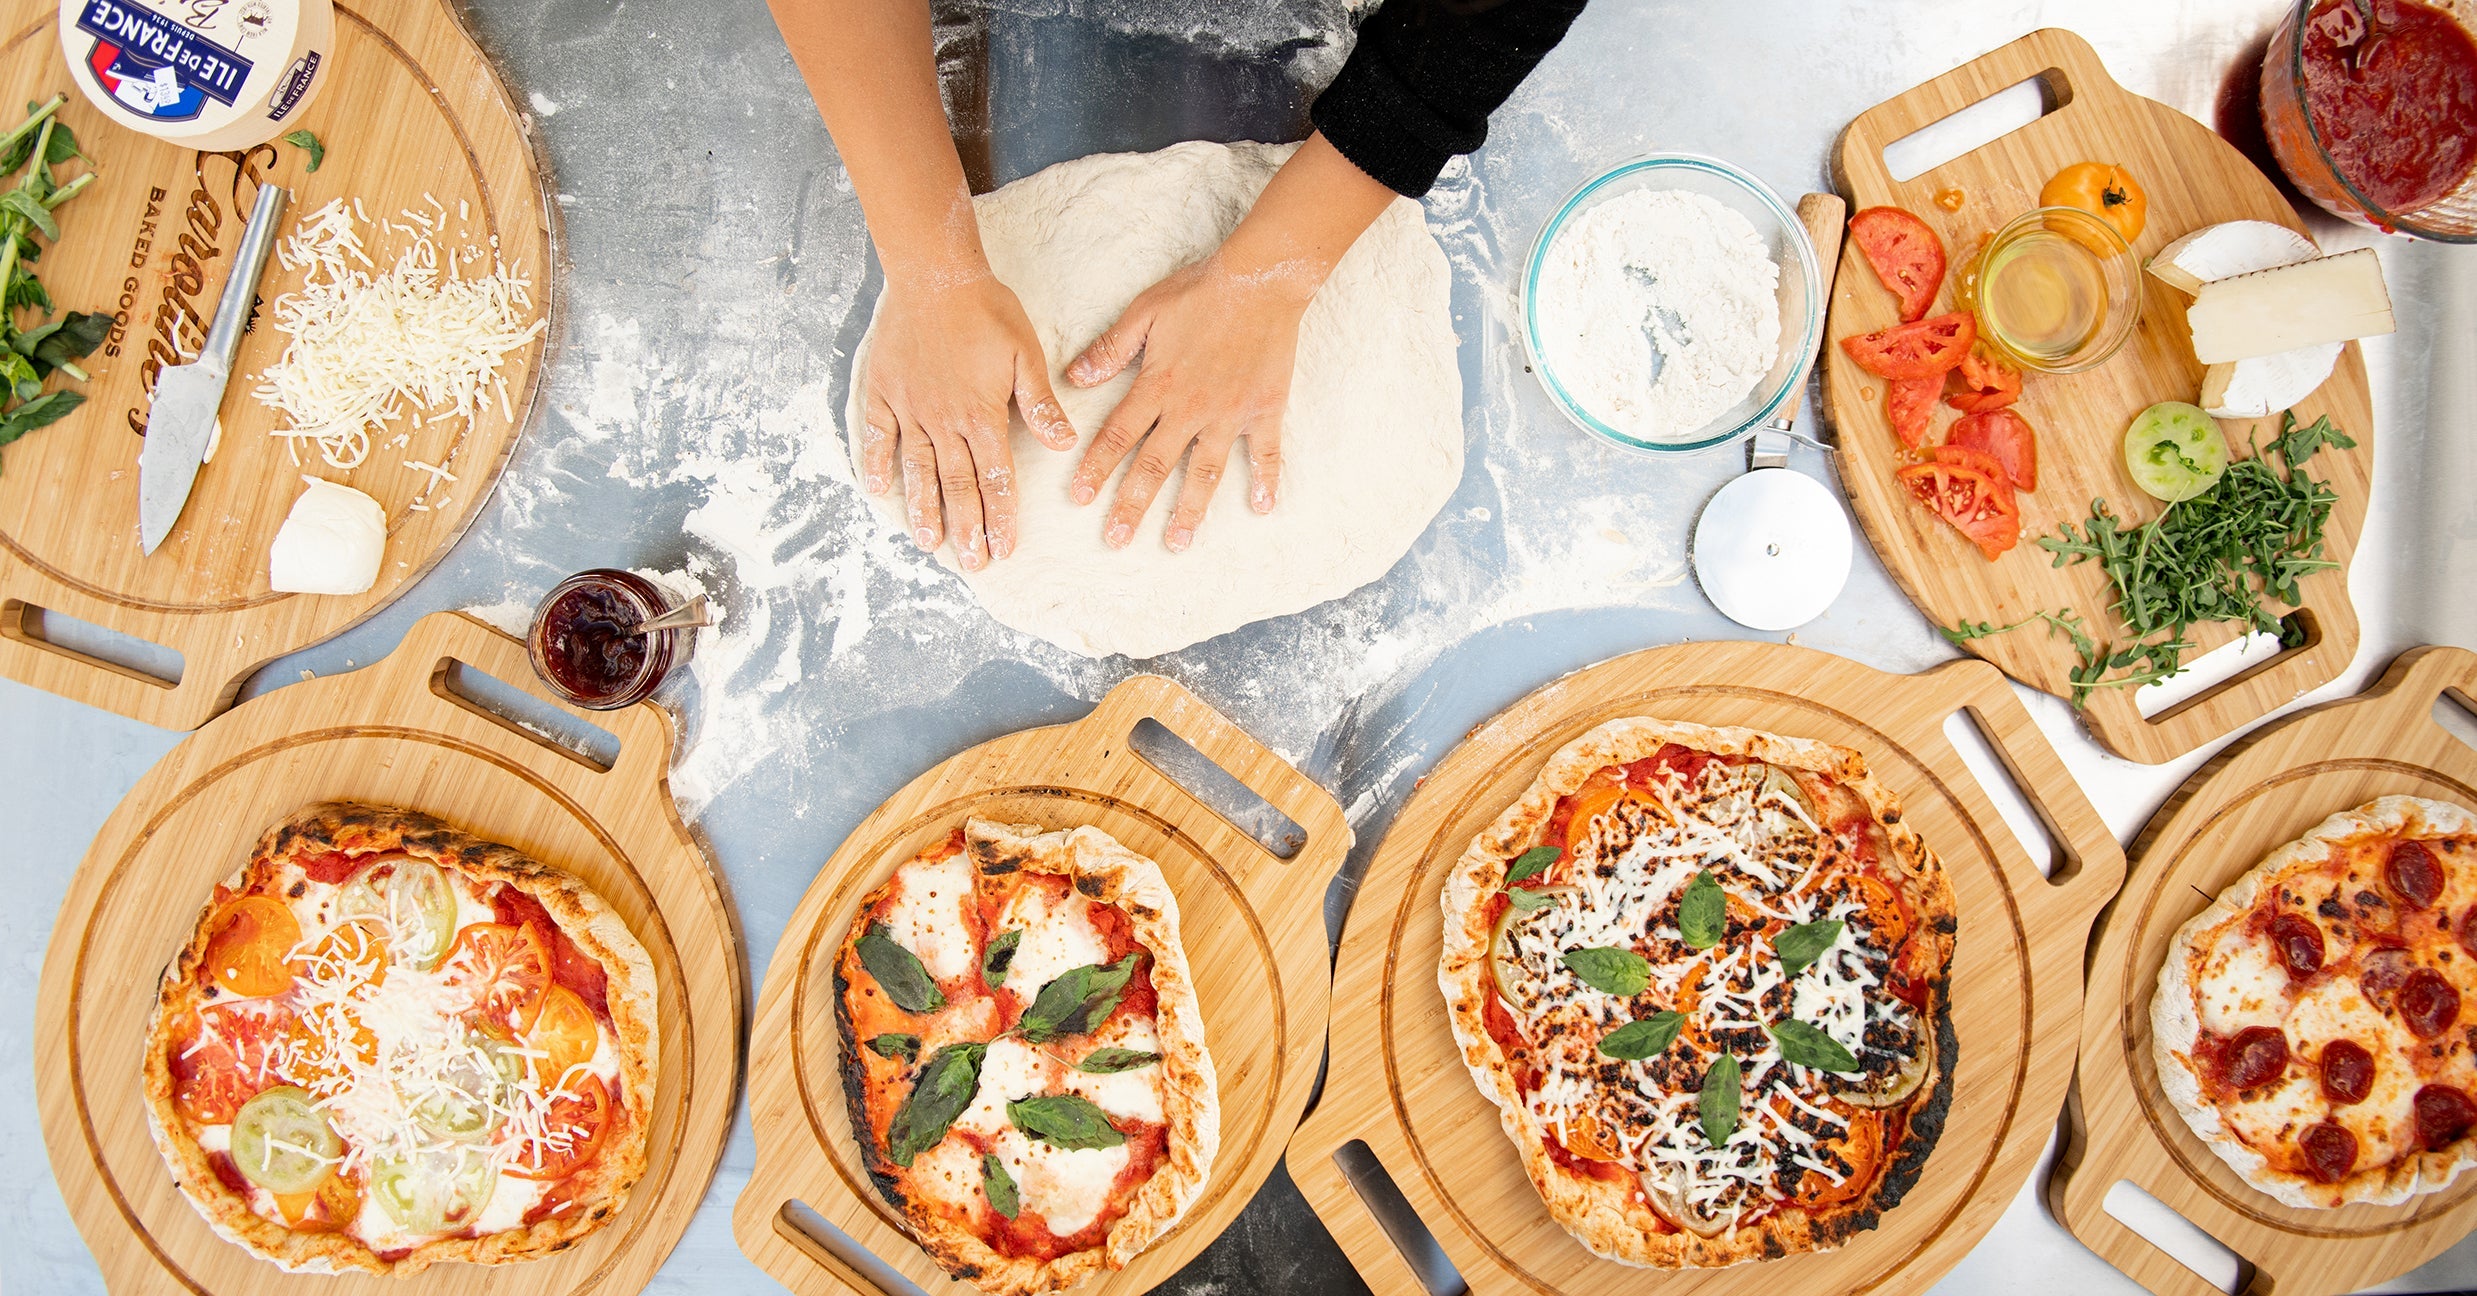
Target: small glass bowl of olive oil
(2056, 290)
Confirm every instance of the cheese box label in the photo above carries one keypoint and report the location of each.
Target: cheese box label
(158, 67)
(206, 74)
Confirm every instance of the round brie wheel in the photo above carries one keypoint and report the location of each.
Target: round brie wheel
(206, 77)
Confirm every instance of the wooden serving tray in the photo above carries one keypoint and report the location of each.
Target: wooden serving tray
(2193, 178)
(1253, 925)
(1397, 1081)
(391, 734)
(412, 111)
(2248, 801)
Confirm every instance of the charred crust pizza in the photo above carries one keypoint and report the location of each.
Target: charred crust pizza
(2315, 1025)
(387, 1044)
(1023, 1054)
(1702, 973)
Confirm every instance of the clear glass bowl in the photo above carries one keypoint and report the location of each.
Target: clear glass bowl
(1785, 241)
(2297, 136)
(2092, 248)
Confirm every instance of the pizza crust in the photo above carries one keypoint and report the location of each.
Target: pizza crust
(2176, 1024)
(600, 1190)
(1597, 1211)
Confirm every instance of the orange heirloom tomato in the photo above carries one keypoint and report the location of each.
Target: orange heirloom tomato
(507, 970)
(253, 937)
(565, 1031)
(2104, 190)
(328, 1208)
(357, 948)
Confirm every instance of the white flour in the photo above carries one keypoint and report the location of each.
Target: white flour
(1657, 311)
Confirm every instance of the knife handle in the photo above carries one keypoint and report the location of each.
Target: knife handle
(223, 337)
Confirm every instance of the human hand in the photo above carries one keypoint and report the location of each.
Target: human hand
(947, 356)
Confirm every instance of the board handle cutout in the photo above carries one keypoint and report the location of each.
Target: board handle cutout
(1957, 135)
(1309, 809)
(2185, 1245)
(1201, 778)
(524, 715)
(2057, 64)
(1382, 1198)
(2021, 814)
(838, 1257)
(479, 673)
(2086, 863)
(101, 647)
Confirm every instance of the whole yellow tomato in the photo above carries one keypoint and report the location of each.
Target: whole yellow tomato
(2102, 189)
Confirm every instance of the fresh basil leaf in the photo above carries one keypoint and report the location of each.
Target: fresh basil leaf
(1077, 998)
(1703, 912)
(1808, 1046)
(1648, 1037)
(304, 139)
(1801, 945)
(1531, 863)
(62, 146)
(1527, 900)
(902, 1047)
(944, 1089)
(1610, 971)
(37, 412)
(1717, 1104)
(995, 1181)
(998, 955)
(77, 333)
(1064, 1120)
(1111, 1061)
(899, 971)
(20, 202)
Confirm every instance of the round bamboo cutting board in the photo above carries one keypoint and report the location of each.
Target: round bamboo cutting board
(391, 734)
(1252, 923)
(2251, 799)
(1397, 1082)
(412, 113)
(2193, 179)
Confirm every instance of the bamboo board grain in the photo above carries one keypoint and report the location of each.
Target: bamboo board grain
(1397, 1081)
(393, 734)
(1252, 923)
(412, 109)
(2250, 799)
(2193, 178)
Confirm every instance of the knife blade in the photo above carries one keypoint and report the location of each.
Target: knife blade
(181, 420)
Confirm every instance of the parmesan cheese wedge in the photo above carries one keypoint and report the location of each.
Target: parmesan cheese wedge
(2328, 299)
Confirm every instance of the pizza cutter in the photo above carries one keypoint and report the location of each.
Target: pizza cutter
(1772, 548)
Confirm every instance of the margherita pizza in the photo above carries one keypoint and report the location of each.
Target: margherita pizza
(1023, 1054)
(388, 1044)
(2314, 1024)
(1702, 974)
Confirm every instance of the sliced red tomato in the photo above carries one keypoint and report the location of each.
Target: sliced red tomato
(225, 1059)
(1986, 383)
(1924, 349)
(1910, 404)
(571, 1136)
(1968, 490)
(505, 968)
(1903, 253)
(2004, 436)
(251, 944)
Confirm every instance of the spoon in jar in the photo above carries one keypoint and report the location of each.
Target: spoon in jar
(686, 616)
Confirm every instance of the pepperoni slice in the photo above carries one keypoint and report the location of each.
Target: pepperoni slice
(2444, 1114)
(2255, 1057)
(2299, 942)
(2380, 971)
(2414, 875)
(2330, 1152)
(2347, 1072)
(2428, 1003)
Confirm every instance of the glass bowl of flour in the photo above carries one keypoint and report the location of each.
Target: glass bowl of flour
(1671, 303)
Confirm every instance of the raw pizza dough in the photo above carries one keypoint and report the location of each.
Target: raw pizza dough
(1371, 443)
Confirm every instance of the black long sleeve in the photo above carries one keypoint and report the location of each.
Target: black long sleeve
(1425, 75)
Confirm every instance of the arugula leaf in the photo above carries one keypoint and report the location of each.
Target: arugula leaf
(318, 154)
(899, 971)
(1808, 1046)
(1075, 1000)
(994, 1180)
(995, 958)
(1716, 1105)
(944, 1089)
(1703, 912)
(1610, 971)
(1064, 1120)
(1531, 863)
(904, 1048)
(1111, 1061)
(1648, 1037)
(1801, 945)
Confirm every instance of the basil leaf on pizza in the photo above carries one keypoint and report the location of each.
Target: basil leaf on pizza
(1077, 998)
(1808, 1046)
(1064, 1120)
(944, 1089)
(1000, 1186)
(1111, 1061)
(1648, 1037)
(1531, 863)
(1619, 972)
(899, 972)
(1001, 953)
(902, 1048)
(1716, 1105)
(1703, 912)
(1526, 900)
(1801, 945)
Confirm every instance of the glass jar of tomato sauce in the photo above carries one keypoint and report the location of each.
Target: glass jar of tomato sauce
(585, 643)
(2371, 108)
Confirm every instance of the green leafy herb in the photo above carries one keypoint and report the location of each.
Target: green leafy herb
(1079, 997)
(1111, 1061)
(1610, 971)
(1648, 1037)
(1801, 945)
(1716, 1106)
(1000, 953)
(1808, 1046)
(1703, 912)
(318, 154)
(899, 972)
(35, 146)
(994, 1180)
(1531, 863)
(1064, 1120)
(944, 1089)
(903, 1047)
(1526, 899)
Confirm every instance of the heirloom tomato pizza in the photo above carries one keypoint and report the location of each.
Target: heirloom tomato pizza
(1702, 974)
(388, 1044)
(2314, 1024)
(1023, 1055)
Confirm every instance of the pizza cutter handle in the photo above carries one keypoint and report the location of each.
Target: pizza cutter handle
(2092, 866)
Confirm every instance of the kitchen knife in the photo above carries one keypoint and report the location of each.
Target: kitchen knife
(181, 422)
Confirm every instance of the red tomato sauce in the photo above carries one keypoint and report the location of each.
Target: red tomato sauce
(228, 1174)
(569, 966)
(1028, 1234)
(2396, 103)
(331, 868)
(1585, 1167)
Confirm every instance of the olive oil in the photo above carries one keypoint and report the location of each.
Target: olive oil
(2042, 295)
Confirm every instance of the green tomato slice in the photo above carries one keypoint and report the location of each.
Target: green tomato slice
(435, 1190)
(415, 901)
(465, 1105)
(2175, 451)
(282, 1143)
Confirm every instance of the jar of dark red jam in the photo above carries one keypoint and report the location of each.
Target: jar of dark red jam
(582, 641)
